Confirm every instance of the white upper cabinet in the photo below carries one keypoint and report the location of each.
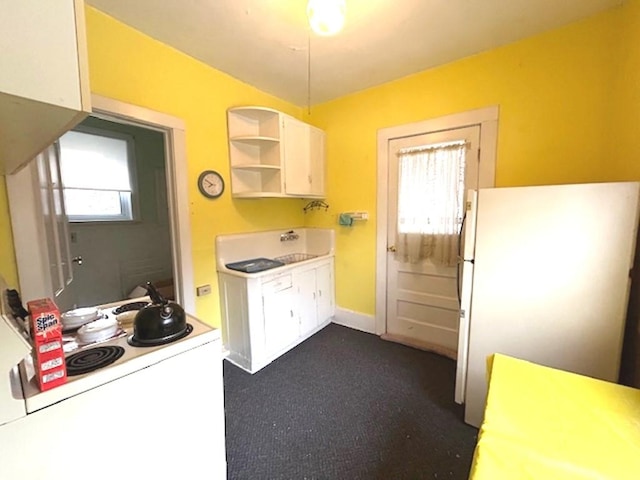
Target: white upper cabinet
(274, 155)
(44, 80)
(303, 159)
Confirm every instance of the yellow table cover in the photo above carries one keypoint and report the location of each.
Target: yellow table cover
(543, 423)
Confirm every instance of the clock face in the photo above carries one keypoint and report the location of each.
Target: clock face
(210, 184)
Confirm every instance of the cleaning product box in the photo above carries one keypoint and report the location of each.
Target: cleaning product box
(48, 354)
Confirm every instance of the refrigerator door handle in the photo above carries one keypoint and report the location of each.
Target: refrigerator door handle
(463, 333)
(467, 266)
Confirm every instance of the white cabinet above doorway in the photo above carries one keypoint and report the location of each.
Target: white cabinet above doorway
(44, 86)
(272, 154)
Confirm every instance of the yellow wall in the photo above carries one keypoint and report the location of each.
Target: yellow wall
(554, 92)
(624, 156)
(129, 66)
(569, 109)
(7, 259)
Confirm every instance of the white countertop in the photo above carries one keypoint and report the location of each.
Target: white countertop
(277, 270)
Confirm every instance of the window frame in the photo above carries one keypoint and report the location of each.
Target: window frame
(132, 206)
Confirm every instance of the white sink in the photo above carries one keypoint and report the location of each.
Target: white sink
(289, 245)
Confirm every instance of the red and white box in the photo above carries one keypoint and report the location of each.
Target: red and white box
(48, 354)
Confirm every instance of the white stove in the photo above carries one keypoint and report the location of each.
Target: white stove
(133, 359)
(147, 401)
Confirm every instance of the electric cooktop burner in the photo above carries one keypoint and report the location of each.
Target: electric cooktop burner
(93, 358)
(127, 307)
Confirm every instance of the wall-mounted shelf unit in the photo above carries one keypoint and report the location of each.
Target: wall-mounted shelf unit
(274, 155)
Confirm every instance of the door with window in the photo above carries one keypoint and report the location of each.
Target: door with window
(428, 179)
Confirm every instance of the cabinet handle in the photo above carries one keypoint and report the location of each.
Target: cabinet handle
(291, 312)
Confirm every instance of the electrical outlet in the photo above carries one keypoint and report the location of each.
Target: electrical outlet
(203, 290)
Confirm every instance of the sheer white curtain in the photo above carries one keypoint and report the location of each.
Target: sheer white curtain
(430, 202)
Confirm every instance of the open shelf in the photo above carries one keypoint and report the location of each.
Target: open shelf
(255, 167)
(255, 140)
(253, 122)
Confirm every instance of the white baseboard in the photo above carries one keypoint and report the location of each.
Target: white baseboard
(355, 320)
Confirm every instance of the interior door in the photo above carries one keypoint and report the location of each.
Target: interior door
(422, 298)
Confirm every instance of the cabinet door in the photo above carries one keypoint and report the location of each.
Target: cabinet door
(44, 86)
(305, 283)
(325, 293)
(296, 157)
(317, 161)
(38, 39)
(54, 218)
(281, 326)
(39, 226)
(304, 158)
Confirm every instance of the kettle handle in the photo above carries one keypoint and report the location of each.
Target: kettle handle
(156, 298)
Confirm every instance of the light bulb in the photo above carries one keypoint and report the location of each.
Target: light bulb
(326, 17)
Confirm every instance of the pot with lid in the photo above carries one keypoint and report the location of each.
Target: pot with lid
(159, 322)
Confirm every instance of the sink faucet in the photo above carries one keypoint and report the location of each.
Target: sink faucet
(288, 236)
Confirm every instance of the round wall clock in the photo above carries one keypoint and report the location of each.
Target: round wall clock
(210, 184)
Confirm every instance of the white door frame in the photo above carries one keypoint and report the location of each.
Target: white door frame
(487, 119)
(177, 184)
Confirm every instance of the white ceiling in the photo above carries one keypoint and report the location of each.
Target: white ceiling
(264, 42)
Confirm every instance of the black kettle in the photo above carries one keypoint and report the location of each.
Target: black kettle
(159, 322)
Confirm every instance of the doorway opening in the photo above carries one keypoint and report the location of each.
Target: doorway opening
(115, 189)
(416, 302)
(34, 257)
(175, 173)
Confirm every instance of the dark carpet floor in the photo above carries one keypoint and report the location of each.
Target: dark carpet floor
(347, 405)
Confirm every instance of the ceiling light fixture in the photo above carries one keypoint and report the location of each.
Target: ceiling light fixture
(326, 17)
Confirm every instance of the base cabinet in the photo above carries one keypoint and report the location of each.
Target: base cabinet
(264, 317)
(315, 296)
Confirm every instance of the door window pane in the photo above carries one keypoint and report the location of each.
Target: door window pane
(431, 189)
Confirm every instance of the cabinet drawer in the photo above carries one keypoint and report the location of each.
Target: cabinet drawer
(277, 284)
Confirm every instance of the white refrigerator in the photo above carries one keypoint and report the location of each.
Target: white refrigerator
(545, 278)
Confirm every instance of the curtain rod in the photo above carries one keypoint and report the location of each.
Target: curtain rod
(437, 146)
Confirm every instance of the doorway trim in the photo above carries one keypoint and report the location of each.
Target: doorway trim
(486, 118)
(177, 183)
